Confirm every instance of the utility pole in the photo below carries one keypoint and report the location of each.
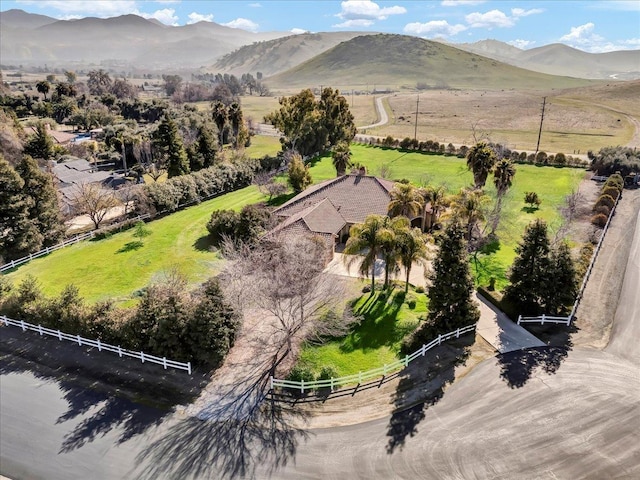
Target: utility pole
(544, 102)
(415, 128)
(124, 159)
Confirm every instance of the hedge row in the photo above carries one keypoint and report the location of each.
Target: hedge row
(611, 189)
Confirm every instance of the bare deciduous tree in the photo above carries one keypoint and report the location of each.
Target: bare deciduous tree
(95, 201)
(284, 277)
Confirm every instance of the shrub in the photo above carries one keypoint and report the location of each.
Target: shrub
(603, 209)
(366, 288)
(223, 223)
(420, 289)
(299, 374)
(532, 199)
(599, 220)
(607, 200)
(327, 373)
(612, 191)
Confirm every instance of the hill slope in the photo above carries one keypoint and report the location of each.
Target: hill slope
(397, 60)
(560, 59)
(279, 55)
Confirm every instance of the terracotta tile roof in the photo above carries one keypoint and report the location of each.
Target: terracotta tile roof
(353, 196)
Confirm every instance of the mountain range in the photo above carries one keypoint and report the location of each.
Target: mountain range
(130, 42)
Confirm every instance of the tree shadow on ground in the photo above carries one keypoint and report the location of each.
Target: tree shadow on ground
(115, 392)
(203, 244)
(517, 367)
(131, 246)
(422, 385)
(529, 209)
(245, 430)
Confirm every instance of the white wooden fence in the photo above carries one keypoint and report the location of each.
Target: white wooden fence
(542, 319)
(122, 352)
(381, 372)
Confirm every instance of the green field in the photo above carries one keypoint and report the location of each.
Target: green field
(114, 268)
(375, 341)
(552, 185)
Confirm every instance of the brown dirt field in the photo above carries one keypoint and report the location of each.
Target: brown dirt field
(508, 117)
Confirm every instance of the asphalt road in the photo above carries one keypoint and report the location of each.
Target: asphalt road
(540, 413)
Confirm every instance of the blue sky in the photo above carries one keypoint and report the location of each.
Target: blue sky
(593, 26)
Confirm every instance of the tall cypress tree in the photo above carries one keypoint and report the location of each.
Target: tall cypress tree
(18, 235)
(170, 144)
(45, 210)
(529, 275)
(450, 302)
(562, 286)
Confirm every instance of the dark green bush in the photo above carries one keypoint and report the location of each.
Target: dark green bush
(599, 220)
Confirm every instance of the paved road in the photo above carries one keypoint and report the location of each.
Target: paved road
(382, 113)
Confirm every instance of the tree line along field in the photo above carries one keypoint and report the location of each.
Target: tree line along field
(107, 268)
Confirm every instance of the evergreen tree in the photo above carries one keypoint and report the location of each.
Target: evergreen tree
(207, 146)
(18, 235)
(299, 176)
(562, 285)
(45, 210)
(450, 302)
(530, 272)
(40, 144)
(168, 141)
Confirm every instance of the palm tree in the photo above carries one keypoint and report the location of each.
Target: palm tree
(366, 236)
(220, 116)
(235, 118)
(469, 207)
(405, 200)
(437, 199)
(393, 228)
(412, 248)
(341, 156)
(480, 160)
(503, 174)
(43, 87)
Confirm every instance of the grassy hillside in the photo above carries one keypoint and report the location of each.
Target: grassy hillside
(398, 60)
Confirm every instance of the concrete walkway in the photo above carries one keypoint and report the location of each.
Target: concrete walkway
(503, 334)
(337, 266)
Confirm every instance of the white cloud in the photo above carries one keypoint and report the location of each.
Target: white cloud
(367, 10)
(195, 17)
(243, 23)
(167, 1)
(455, 3)
(624, 5)
(298, 31)
(255, 5)
(166, 15)
(521, 44)
(579, 34)
(520, 12)
(491, 19)
(82, 8)
(434, 28)
(360, 22)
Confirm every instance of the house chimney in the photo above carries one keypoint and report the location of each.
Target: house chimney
(362, 170)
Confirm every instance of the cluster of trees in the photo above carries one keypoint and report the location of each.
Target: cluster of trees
(170, 321)
(243, 227)
(29, 211)
(246, 83)
(611, 189)
(542, 279)
(311, 125)
(610, 160)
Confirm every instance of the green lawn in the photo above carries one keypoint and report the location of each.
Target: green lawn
(375, 341)
(552, 185)
(114, 268)
(262, 145)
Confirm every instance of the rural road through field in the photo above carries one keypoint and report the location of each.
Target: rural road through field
(539, 413)
(382, 113)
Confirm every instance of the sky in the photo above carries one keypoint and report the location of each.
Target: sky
(593, 26)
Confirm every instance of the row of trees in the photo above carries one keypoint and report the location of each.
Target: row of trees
(29, 211)
(169, 321)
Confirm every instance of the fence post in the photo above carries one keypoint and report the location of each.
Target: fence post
(79, 340)
(142, 356)
(189, 367)
(359, 377)
(302, 386)
(439, 338)
(519, 318)
(271, 381)
(24, 329)
(40, 329)
(423, 349)
(59, 335)
(543, 319)
(406, 360)
(331, 383)
(99, 346)
(119, 351)
(458, 332)
(384, 370)
(47, 250)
